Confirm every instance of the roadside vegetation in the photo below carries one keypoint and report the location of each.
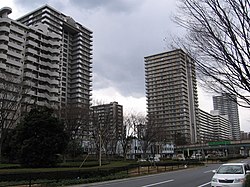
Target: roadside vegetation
(70, 173)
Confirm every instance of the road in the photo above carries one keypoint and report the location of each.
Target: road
(190, 177)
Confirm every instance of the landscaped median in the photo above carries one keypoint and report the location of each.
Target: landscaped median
(68, 176)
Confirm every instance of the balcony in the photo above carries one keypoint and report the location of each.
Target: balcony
(5, 28)
(16, 46)
(77, 71)
(54, 50)
(77, 57)
(32, 43)
(50, 73)
(4, 47)
(28, 74)
(55, 58)
(32, 59)
(31, 67)
(20, 39)
(48, 88)
(4, 38)
(15, 54)
(2, 66)
(5, 20)
(32, 51)
(16, 63)
(3, 56)
(32, 35)
(13, 71)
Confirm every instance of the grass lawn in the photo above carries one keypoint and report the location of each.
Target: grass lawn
(70, 173)
(70, 167)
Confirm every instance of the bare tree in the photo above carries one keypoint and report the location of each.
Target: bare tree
(106, 124)
(12, 91)
(76, 119)
(131, 127)
(219, 40)
(77, 125)
(151, 134)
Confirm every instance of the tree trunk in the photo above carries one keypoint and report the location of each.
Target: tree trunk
(1, 145)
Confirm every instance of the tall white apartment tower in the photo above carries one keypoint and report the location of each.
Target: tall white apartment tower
(226, 105)
(171, 92)
(29, 56)
(75, 59)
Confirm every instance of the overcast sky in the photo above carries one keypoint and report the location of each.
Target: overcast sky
(124, 32)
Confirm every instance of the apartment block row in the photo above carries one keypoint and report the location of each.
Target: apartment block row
(51, 54)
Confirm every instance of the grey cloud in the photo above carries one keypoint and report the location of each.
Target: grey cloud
(125, 74)
(120, 45)
(30, 5)
(124, 32)
(109, 5)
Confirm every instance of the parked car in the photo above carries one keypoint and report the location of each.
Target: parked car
(141, 160)
(196, 156)
(154, 159)
(230, 175)
(180, 157)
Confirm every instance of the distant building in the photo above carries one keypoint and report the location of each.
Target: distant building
(161, 149)
(107, 121)
(214, 127)
(244, 135)
(222, 128)
(226, 105)
(206, 129)
(171, 92)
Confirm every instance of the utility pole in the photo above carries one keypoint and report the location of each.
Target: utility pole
(100, 148)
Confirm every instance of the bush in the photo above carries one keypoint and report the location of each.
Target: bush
(60, 173)
(40, 138)
(247, 181)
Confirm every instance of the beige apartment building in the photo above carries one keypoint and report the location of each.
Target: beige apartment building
(31, 55)
(171, 92)
(51, 53)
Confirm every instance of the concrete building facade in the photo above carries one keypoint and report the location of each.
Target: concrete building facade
(30, 56)
(107, 120)
(214, 127)
(73, 54)
(226, 105)
(171, 92)
(244, 135)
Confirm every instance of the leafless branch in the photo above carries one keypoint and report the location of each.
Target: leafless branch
(218, 39)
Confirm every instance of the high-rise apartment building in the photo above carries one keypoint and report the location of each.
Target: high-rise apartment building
(29, 56)
(226, 105)
(107, 120)
(73, 55)
(171, 92)
(213, 127)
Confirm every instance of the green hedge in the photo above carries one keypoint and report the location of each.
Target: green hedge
(74, 173)
(61, 174)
